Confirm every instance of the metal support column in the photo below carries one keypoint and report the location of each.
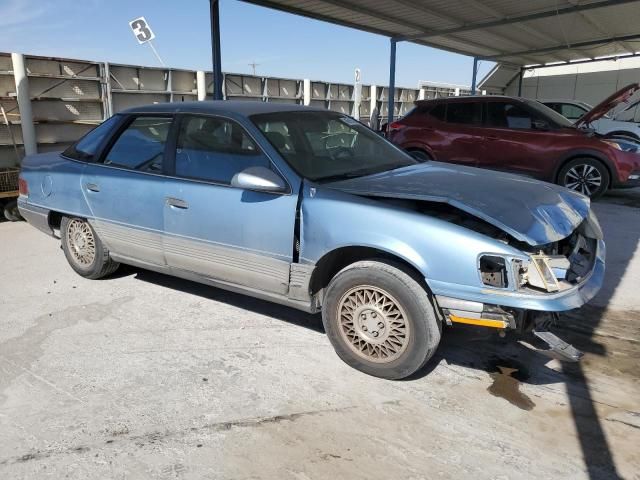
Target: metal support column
(520, 75)
(24, 104)
(306, 92)
(201, 85)
(474, 76)
(392, 81)
(215, 49)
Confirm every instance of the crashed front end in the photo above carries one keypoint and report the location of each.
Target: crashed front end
(524, 292)
(498, 250)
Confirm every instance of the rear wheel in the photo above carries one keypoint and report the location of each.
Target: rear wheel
(86, 254)
(585, 175)
(419, 155)
(380, 320)
(11, 211)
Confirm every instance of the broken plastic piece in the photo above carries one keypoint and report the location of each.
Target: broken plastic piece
(566, 351)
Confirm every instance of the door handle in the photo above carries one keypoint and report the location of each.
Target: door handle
(492, 137)
(92, 187)
(177, 203)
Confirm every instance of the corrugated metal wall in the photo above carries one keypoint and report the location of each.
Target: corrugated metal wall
(69, 97)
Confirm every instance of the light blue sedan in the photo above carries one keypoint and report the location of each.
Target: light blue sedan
(313, 210)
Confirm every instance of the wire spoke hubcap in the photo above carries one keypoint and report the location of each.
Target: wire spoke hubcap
(585, 179)
(82, 245)
(373, 323)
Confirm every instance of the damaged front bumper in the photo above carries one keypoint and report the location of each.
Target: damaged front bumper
(478, 299)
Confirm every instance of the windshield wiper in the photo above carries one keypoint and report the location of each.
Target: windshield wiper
(359, 173)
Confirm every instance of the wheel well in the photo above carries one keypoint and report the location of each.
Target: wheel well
(55, 219)
(334, 261)
(419, 149)
(592, 157)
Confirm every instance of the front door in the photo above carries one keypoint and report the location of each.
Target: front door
(125, 190)
(512, 142)
(216, 230)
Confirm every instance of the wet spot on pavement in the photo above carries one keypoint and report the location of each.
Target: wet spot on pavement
(507, 378)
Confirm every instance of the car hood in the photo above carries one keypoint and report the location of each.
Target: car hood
(608, 104)
(530, 211)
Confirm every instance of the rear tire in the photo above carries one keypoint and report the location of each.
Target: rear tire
(11, 211)
(86, 254)
(585, 175)
(380, 319)
(420, 155)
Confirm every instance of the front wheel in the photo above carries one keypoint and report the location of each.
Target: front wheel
(380, 320)
(585, 175)
(85, 252)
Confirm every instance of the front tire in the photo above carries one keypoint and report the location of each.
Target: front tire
(585, 175)
(86, 254)
(380, 319)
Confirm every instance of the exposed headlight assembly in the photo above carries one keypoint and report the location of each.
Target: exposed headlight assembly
(540, 274)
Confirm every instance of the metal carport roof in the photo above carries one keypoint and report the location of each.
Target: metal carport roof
(517, 32)
(514, 32)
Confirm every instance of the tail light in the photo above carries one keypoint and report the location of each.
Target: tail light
(23, 187)
(395, 126)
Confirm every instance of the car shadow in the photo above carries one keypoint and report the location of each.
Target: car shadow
(255, 305)
(508, 362)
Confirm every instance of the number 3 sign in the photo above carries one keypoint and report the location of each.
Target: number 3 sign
(141, 30)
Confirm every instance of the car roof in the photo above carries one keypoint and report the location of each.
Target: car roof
(561, 100)
(245, 108)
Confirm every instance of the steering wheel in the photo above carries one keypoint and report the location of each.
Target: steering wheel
(148, 165)
(341, 152)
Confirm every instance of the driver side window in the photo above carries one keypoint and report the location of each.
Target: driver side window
(141, 145)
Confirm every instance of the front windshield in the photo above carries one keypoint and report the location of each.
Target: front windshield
(324, 146)
(549, 114)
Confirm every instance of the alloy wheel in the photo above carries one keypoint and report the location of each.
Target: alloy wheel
(583, 178)
(373, 324)
(81, 242)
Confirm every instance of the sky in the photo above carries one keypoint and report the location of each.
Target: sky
(282, 44)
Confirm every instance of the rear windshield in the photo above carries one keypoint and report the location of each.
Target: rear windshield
(86, 148)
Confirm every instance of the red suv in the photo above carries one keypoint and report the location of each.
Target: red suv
(521, 136)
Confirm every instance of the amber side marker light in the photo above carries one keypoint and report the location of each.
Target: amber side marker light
(479, 321)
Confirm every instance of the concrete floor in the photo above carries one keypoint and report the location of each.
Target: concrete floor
(143, 375)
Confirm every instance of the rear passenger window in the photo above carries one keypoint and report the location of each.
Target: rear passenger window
(86, 148)
(466, 113)
(439, 112)
(215, 149)
(141, 145)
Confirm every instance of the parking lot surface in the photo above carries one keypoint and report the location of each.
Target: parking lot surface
(144, 375)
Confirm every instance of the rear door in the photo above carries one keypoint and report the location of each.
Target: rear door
(219, 231)
(125, 189)
(513, 143)
(461, 134)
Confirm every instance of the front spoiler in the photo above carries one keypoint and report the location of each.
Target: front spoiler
(545, 302)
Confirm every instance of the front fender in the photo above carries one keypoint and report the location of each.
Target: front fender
(440, 251)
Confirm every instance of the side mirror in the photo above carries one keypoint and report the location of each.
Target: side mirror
(259, 179)
(540, 125)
